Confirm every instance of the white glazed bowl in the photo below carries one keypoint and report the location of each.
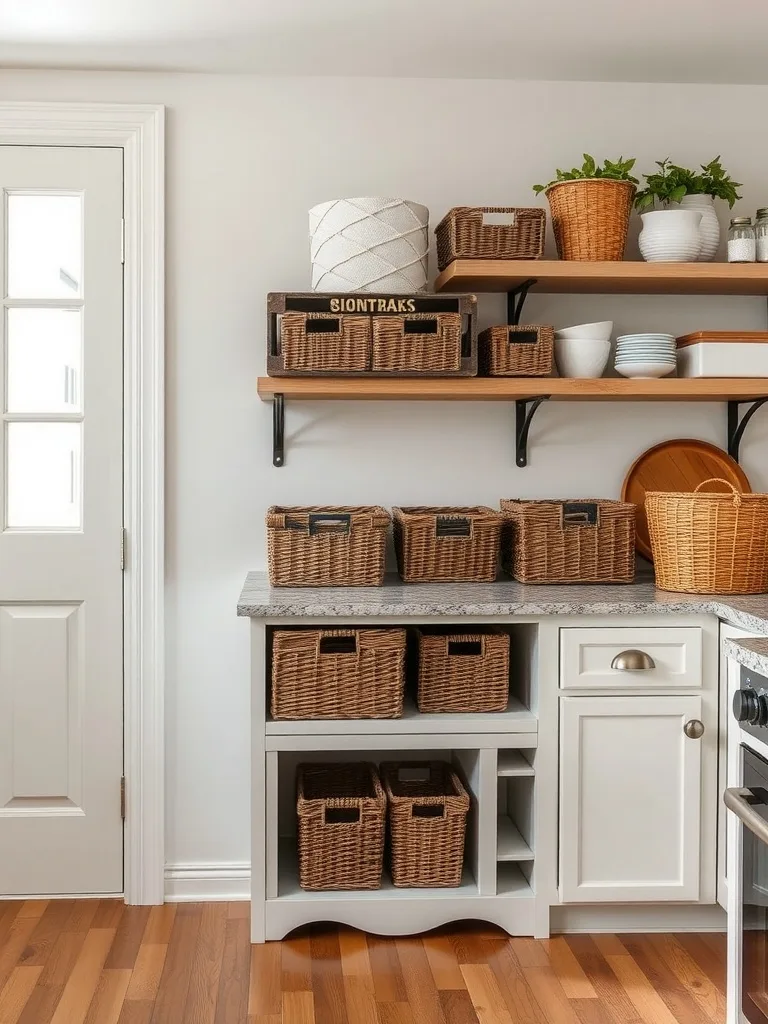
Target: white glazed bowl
(582, 357)
(599, 331)
(645, 370)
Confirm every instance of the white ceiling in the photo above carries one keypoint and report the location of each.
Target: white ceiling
(591, 40)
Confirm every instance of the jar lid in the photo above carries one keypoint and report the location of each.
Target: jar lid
(762, 212)
(741, 220)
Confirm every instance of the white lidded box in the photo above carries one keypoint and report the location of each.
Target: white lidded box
(369, 244)
(723, 354)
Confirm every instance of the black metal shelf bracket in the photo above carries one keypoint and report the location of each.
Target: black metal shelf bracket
(516, 300)
(525, 409)
(278, 430)
(737, 427)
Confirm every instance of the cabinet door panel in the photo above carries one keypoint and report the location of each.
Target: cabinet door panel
(630, 799)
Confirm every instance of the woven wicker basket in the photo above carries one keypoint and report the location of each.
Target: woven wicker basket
(590, 217)
(580, 541)
(461, 672)
(338, 673)
(705, 543)
(447, 545)
(428, 808)
(324, 341)
(341, 811)
(512, 351)
(418, 342)
(326, 546)
(466, 233)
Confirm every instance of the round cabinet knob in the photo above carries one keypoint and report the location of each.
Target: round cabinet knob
(694, 729)
(746, 707)
(633, 661)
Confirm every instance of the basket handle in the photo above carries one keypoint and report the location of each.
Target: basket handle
(342, 815)
(720, 480)
(428, 810)
(338, 644)
(498, 220)
(330, 522)
(580, 513)
(465, 648)
(453, 526)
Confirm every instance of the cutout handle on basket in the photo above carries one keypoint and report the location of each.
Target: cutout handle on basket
(523, 337)
(453, 526)
(322, 326)
(499, 220)
(580, 513)
(342, 815)
(420, 326)
(329, 522)
(338, 644)
(465, 648)
(414, 773)
(720, 480)
(428, 810)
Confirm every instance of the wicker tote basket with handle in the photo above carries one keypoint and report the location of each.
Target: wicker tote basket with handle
(709, 542)
(326, 341)
(338, 673)
(590, 217)
(490, 233)
(428, 808)
(326, 546)
(447, 545)
(461, 672)
(341, 811)
(514, 351)
(417, 342)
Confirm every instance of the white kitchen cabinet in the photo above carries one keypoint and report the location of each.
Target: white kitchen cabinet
(631, 798)
(673, 657)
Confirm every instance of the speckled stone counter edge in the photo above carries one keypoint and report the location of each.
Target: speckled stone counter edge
(751, 653)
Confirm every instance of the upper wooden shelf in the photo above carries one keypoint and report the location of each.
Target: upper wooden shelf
(467, 389)
(628, 277)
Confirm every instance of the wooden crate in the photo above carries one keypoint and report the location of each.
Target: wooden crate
(375, 307)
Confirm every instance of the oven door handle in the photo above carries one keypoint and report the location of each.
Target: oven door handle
(735, 800)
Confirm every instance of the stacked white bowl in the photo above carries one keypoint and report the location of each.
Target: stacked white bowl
(646, 355)
(584, 350)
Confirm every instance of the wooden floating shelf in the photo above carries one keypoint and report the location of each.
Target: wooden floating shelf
(506, 389)
(627, 277)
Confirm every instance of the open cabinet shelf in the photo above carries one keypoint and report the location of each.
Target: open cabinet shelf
(510, 844)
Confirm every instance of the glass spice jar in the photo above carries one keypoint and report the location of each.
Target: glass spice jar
(761, 235)
(741, 241)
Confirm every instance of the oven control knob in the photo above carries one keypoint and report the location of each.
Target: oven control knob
(746, 707)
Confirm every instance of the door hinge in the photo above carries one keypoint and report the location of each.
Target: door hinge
(122, 548)
(122, 797)
(122, 240)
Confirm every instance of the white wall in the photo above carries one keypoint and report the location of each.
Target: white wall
(246, 158)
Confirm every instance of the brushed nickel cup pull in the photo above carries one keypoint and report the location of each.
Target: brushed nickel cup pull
(633, 661)
(694, 729)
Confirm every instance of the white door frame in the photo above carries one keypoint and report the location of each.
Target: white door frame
(139, 131)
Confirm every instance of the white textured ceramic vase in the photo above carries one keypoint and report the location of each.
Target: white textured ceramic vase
(670, 236)
(709, 228)
(369, 244)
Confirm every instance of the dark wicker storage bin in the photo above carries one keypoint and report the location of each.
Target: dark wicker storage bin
(338, 673)
(326, 546)
(326, 341)
(447, 545)
(465, 234)
(517, 351)
(417, 343)
(463, 672)
(580, 541)
(428, 808)
(341, 811)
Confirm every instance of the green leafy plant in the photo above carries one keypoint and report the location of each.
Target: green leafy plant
(618, 170)
(671, 183)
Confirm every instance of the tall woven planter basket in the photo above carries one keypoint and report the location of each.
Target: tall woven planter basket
(369, 244)
(590, 217)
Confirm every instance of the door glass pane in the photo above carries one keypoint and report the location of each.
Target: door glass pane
(45, 242)
(44, 477)
(44, 360)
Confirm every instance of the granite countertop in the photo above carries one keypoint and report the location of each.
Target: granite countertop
(751, 653)
(504, 597)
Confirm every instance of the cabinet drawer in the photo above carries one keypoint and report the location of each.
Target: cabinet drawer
(672, 658)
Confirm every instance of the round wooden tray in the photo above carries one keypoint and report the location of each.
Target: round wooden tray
(676, 466)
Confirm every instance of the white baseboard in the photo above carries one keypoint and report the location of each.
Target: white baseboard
(190, 883)
(657, 917)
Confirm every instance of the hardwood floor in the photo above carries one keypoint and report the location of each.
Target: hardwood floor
(99, 962)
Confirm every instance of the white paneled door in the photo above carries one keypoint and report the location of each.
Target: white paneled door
(61, 479)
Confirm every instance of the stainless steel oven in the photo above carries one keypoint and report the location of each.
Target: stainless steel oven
(750, 804)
